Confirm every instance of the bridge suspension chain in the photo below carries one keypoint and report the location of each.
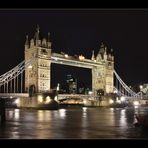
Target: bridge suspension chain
(12, 76)
(131, 92)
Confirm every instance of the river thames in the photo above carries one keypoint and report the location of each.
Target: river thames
(72, 123)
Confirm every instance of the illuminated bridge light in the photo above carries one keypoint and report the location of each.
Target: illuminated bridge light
(48, 99)
(122, 98)
(66, 55)
(81, 57)
(111, 101)
(40, 99)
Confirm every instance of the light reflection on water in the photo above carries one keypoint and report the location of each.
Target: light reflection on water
(78, 123)
(122, 120)
(43, 115)
(62, 113)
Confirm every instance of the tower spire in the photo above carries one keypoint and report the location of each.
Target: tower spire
(37, 32)
(93, 55)
(48, 37)
(105, 52)
(48, 41)
(112, 54)
(36, 36)
(111, 50)
(38, 28)
(26, 43)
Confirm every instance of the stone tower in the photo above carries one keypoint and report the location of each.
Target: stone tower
(102, 75)
(37, 75)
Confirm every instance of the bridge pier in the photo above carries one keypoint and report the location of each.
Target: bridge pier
(44, 100)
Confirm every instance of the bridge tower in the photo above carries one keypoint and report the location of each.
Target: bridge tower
(102, 75)
(37, 75)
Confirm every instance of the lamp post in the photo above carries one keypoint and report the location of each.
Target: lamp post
(57, 89)
(141, 87)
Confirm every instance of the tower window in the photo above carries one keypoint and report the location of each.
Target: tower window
(109, 63)
(43, 51)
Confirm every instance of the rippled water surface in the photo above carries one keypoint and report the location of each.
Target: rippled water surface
(77, 123)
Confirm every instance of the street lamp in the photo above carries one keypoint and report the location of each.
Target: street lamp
(57, 91)
(58, 87)
(141, 87)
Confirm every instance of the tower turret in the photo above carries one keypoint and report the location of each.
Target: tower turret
(27, 42)
(100, 55)
(102, 50)
(93, 56)
(105, 54)
(48, 41)
(44, 44)
(36, 37)
(31, 42)
(112, 57)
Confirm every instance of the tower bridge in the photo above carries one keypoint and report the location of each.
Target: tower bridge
(33, 75)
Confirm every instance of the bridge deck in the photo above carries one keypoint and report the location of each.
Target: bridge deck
(13, 95)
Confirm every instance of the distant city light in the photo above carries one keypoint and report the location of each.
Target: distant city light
(84, 101)
(122, 98)
(136, 103)
(111, 101)
(90, 92)
(115, 91)
(17, 101)
(119, 101)
(117, 98)
(141, 87)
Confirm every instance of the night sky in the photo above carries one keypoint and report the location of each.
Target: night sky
(80, 32)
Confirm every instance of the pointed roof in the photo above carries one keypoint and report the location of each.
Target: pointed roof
(36, 36)
(102, 48)
(93, 55)
(27, 42)
(48, 40)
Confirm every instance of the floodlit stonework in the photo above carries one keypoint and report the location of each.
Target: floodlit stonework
(38, 75)
(102, 75)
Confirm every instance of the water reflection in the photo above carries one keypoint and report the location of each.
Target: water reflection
(84, 111)
(123, 121)
(62, 113)
(43, 115)
(13, 114)
(82, 123)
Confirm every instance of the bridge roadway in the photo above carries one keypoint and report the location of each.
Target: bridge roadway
(60, 96)
(71, 61)
(66, 96)
(81, 96)
(13, 95)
